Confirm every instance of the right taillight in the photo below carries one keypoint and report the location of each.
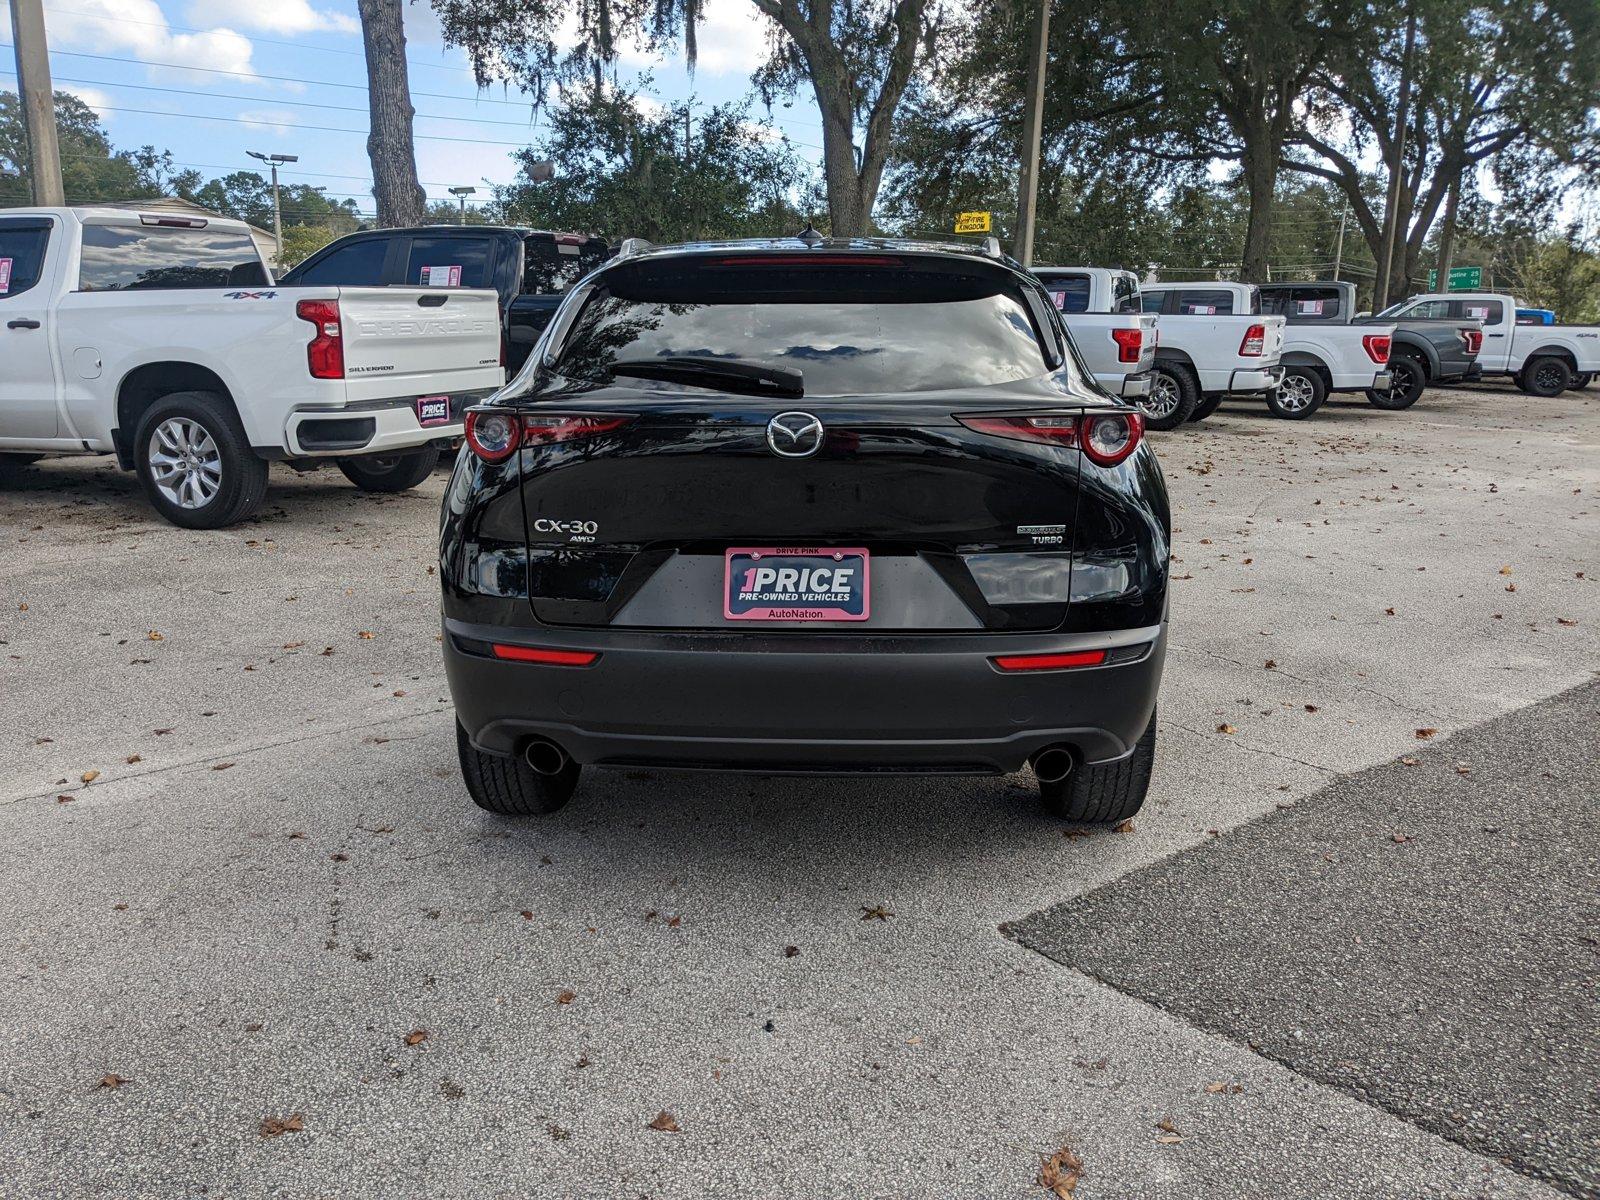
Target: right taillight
(325, 350)
(1473, 338)
(1105, 438)
(1109, 437)
(1129, 343)
(1377, 347)
(1255, 339)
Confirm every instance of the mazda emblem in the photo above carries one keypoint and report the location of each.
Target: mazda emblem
(794, 435)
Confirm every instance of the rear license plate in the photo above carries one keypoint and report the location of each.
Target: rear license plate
(787, 583)
(433, 410)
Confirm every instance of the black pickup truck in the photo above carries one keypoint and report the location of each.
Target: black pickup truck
(1422, 352)
(530, 268)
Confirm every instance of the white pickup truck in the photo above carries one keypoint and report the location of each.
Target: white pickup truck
(1543, 360)
(163, 340)
(1314, 360)
(1212, 341)
(1100, 309)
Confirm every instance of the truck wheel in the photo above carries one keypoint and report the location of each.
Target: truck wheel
(195, 462)
(1546, 376)
(1580, 380)
(1174, 392)
(1207, 406)
(510, 787)
(1107, 791)
(390, 472)
(1300, 394)
(1407, 378)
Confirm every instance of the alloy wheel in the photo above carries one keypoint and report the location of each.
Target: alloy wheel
(1547, 377)
(1399, 383)
(1163, 398)
(185, 462)
(1295, 393)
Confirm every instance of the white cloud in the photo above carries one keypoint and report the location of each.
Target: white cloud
(269, 120)
(730, 39)
(272, 16)
(93, 97)
(139, 30)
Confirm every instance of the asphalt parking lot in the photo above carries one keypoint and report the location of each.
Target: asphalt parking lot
(242, 876)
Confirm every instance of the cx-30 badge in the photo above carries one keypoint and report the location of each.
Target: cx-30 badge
(794, 435)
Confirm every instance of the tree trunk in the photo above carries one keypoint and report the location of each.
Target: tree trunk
(1260, 174)
(1447, 236)
(401, 200)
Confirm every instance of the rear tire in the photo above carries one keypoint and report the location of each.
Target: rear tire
(390, 472)
(508, 786)
(1207, 406)
(1105, 792)
(1546, 377)
(195, 462)
(1407, 378)
(1174, 393)
(1580, 381)
(1299, 394)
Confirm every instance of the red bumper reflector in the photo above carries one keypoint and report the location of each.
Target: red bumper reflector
(554, 658)
(1049, 662)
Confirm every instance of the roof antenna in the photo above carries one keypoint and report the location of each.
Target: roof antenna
(810, 236)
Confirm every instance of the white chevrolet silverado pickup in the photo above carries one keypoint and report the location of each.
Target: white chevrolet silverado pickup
(1315, 359)
(1100, 309)
(1542, 360)
(162, 339)
(1212, 342)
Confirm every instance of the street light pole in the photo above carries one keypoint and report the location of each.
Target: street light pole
(38, 102)
(461, 194)
(273, 160)
(1032, 119)
(1338, 245)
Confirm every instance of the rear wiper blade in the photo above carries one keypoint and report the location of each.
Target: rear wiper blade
(724, 374)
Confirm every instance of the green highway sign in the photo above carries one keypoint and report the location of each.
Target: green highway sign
(1462, 279)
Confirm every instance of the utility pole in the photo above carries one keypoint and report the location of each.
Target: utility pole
(1391, 206)
(1338, 244)
(38, 102)
(461, 194)
(1032, 120)
(273, 160)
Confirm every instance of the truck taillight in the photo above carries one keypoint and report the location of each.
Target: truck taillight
(1129, 343)
(1376, 346)
(494, 433)
(1473, 338)
(1105, 438)
(325, 350)
(1255, 339)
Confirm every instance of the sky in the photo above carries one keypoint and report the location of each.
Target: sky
(211, 79)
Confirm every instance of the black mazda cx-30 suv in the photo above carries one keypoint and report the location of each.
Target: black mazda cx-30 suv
(806, 506)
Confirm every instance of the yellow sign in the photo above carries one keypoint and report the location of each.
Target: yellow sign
(973, 222)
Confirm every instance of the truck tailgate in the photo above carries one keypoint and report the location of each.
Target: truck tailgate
(401, 341)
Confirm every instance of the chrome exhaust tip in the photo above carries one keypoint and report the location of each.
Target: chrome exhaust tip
(1052, 764)
(546, 758)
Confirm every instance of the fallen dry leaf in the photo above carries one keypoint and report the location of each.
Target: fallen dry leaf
(112, 1081)
(665, 1122)
(1565, 621)
(1123, 826)
(154, 636)
(1505, 570)
(1169, 1139)
(1271, 664)
(1166, 1125)
(1407, 761)
(566, 996)
(1424, 734)
(416, 1037)
(272, 1127)
(222, 766)
(89, 776)
(366, 635)
(1311, 708)
(876, 913)
(1401, 838)
(1226, 728)
(1216, 1089)
(1388, 612)
(1059, 1174)
(339, 856)
(791, 951)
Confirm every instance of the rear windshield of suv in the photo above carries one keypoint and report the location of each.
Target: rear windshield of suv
(866, 324)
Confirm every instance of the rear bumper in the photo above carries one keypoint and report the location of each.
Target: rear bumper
(1255, 379)
(1127, 386)
(807, 703)
(384, 427)
(1360, 381)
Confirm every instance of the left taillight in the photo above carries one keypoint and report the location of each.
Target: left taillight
(1129, 343)
(325, 350)
(1106, 438)
(1376, 346)
(1254, 343)
(495, 433)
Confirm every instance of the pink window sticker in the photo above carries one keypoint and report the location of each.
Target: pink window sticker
(5, 276)
(443, 276)
(1310, 308)
(1060, 298)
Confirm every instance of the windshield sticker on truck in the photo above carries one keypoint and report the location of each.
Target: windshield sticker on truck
(5, 276)
(1474, 310)
(1060, 298)
(441, 276)
(1200, 310)
(1310, 308)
